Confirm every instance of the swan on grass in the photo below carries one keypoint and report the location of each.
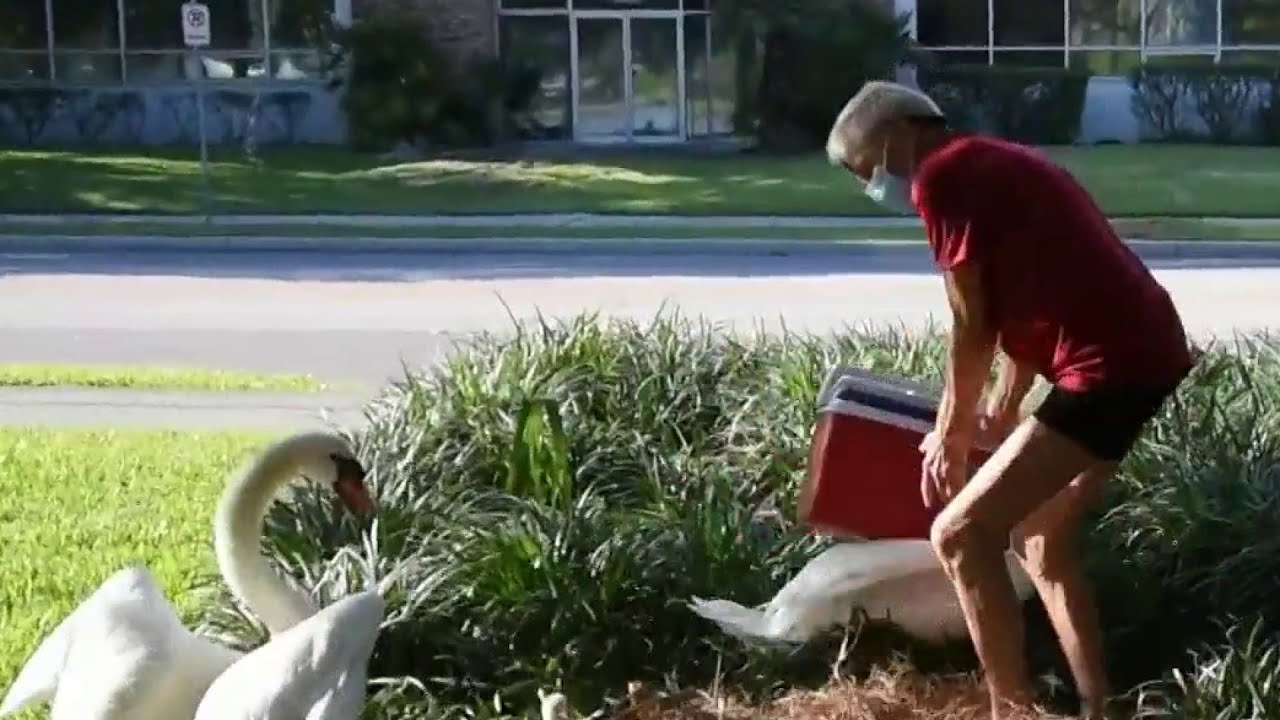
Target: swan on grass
(124, 652)
(900, 581)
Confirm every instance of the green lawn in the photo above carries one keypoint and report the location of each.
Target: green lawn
(1128, 180)
(76, 506)
(151, 378)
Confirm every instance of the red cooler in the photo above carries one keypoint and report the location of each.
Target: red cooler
(864, 462)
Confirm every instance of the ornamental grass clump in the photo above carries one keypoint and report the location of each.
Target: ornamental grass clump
(549, 501)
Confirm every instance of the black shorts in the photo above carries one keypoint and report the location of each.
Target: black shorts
(1106, 421)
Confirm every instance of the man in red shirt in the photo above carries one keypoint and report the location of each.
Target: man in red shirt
(1032, 267)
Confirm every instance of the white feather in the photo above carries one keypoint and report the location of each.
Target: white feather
(900, 581)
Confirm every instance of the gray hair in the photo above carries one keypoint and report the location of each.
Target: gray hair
(878, 101)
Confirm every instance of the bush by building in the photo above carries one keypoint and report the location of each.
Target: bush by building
(1198, 102)
(1041, 105)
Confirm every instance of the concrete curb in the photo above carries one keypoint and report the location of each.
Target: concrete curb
(100, 407)
(67, 244)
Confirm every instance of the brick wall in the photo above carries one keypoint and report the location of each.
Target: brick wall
(464, 27)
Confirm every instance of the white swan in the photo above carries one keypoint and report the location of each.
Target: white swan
(315, 670)
(124, 653)
(896, 580)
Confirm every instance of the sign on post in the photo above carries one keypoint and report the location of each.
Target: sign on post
(196, 35)
(195, 24)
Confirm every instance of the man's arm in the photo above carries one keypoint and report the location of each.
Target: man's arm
(971, 352)
(1012, 384)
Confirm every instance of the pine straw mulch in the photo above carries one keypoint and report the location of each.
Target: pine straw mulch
(892, 694)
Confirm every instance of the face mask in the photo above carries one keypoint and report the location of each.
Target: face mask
(890, 191)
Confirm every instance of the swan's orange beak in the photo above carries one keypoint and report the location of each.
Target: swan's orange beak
(353, 493)
(350, 487)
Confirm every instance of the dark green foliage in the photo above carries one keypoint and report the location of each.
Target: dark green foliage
(402, 87)
(1029, 104)
(549, 502)
(1184, 101)
(808, 58)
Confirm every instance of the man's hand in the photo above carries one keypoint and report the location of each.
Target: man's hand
(945, 468)
(993, 429)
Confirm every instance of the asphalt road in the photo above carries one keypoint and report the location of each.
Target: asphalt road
(359, 316)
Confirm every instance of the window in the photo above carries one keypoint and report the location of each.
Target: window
(724, 79)
(155, 24)
(295, 26)
(1182, 22)
(1251, 22)
(24, 42)
(943, 59)
(1029, 58)
(1028, 22)
(86, 24)
(86, 41)
(697, 76)
(1105, 22)
(1251, 57)
(534, 4)
(22, 25)
(294, 22)
(542, 40)
(955, 23)
(626, 4)
(1107, 63)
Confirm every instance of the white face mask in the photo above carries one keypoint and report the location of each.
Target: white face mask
(889, 191)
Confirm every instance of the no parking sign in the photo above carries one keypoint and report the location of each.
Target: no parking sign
(195, 24)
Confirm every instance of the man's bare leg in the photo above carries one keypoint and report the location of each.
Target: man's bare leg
(972, 532)
(1048, 544)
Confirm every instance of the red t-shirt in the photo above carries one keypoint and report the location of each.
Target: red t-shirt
(1064, 293)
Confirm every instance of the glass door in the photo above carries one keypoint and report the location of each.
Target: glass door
(655, 78)
(601, 83)
(628, 77)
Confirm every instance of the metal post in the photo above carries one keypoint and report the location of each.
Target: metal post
(206, 200)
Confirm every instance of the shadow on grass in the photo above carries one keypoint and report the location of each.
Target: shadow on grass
(331, 180)
(1184, 181)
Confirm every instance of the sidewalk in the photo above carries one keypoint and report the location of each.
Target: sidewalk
(651, 246)
(130, 409)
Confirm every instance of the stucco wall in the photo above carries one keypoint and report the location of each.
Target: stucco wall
(167, 114)
(465, 27)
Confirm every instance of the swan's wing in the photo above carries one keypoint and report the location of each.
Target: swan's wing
(823, 593)
(739, 621)
(123, 653)
(90, 626)
(923, 602)
(313, 671)
(38, 679)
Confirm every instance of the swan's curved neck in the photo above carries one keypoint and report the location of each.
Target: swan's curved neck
(237, 536)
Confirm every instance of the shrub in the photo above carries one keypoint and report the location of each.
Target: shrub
(1027, 104)
(1236, 679)
(401, 86)
(1190, 101)
(813, 56)
(549, 502)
